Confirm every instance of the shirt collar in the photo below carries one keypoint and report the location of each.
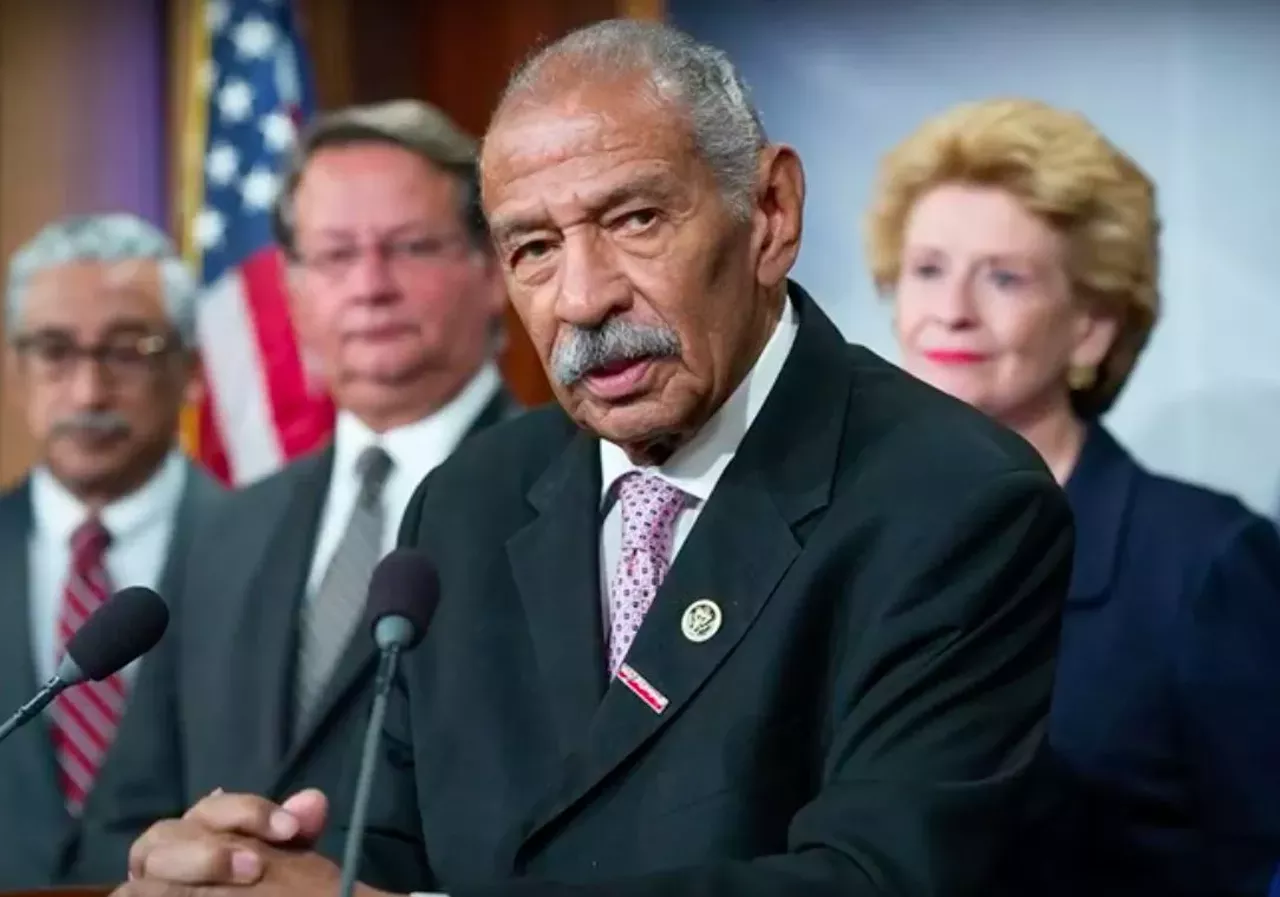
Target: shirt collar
(423, 444)
(58, 513)
(697, 466)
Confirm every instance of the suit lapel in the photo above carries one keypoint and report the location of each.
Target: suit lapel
(1100, 490)
(358, 657)
(199, 493)
(267, 634)
(28, 753)
(736, 555)
(555, 563)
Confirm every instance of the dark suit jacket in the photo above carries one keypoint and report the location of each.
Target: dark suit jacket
(1166, 715)
(891, 569)
(219, 707)
(38, 839)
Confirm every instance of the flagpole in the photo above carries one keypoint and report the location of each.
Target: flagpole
(193, 61)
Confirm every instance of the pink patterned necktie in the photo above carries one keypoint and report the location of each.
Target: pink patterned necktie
(650, 508)
(85, 717)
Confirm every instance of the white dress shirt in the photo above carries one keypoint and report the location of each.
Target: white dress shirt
(140, 524)
(415, 451)
(697, 466)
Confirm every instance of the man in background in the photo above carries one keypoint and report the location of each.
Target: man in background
(398, 301)
(101, 318)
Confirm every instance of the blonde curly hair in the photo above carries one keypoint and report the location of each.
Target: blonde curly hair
(1061, 168)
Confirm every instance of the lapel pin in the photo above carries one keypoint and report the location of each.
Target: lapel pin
(701, 620)
(640, 687)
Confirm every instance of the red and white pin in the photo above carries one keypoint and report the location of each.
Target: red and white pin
(640, 687)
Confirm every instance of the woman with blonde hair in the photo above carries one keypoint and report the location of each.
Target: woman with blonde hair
(1020, 250)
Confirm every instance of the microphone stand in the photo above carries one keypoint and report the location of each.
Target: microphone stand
(364, 784)
(30, 710)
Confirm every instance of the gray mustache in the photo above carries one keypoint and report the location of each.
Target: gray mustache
(584, 349)
(98, 423)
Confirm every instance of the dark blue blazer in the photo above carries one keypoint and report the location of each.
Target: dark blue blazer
(1166, 715)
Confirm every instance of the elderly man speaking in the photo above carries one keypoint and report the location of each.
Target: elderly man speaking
(751, 613)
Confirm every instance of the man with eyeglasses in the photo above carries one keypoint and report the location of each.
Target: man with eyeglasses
(101, 318)
(398, 303)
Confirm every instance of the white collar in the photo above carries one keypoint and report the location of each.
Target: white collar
(420, 446)
(58, 513)
(697, 466)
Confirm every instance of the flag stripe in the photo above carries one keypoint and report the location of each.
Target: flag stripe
(241, 403)
(292, 401)
(212, 452)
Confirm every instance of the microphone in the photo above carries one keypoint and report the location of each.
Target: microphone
(403, 594)
(124, 628)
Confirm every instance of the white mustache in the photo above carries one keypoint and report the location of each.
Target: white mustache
(585, 349)
(103, 423)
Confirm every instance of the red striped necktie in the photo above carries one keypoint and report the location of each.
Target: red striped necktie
(85, 717)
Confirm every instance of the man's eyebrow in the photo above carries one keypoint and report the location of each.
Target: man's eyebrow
(396, 230)
(130, 327)
(655, 186)
(505, 229)
(125, 327)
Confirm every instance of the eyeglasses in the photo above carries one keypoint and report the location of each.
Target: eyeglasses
(54, 356)
(399, 254)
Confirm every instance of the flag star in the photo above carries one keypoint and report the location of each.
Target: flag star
(216, 15)
(277, 131)
(254, 38)
(259, 189)
(235, 100)
(223, 164)
(209, 228)
(207, 76)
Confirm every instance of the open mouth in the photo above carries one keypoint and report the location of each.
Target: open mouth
(618, 379)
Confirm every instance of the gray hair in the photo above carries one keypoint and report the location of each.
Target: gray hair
(110, 237)
(412, 125)
(700, 79)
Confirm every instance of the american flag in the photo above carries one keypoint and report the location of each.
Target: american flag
(249, 91)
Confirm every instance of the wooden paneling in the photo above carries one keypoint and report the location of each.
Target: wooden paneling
(457, 55)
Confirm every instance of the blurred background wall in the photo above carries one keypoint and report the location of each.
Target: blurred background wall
(1190, 88)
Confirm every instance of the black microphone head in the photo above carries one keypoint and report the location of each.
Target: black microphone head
(124, 628)
(403, 595)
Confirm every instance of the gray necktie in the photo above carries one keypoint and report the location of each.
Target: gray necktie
(332, 611)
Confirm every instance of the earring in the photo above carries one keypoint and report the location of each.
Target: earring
(1081, 378)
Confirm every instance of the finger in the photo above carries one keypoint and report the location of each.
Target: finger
(311, 809)
(208, 861)
(245, 814)
(162, 832)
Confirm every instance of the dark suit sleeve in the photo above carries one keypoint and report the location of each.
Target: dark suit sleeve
(1229, 676)
(144, 778)
(936, 717)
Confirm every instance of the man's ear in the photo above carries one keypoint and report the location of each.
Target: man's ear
(777, 219)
